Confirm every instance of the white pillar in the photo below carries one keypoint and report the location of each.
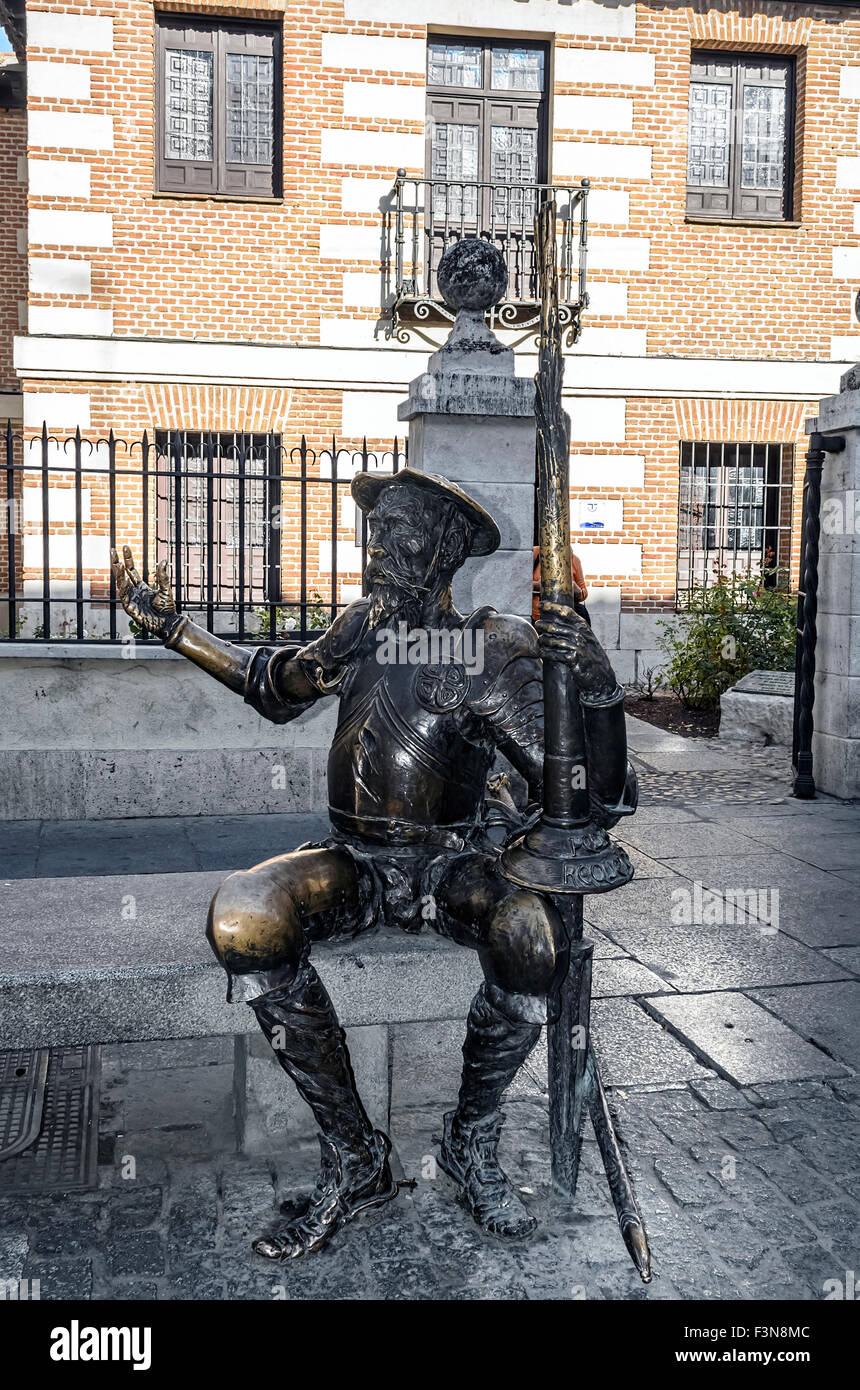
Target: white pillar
(471, 419)
(836, 741)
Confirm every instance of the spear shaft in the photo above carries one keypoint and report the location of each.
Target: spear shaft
(565, 798)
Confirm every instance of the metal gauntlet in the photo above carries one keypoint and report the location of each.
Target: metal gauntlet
(226, 662)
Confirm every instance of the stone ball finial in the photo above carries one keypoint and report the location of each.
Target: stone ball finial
(472, 274)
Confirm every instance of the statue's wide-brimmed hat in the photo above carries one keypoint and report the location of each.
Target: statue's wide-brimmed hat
(366, 488)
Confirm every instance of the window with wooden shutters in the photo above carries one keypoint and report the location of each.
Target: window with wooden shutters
(486, 124)
(218, 97)
(486, 147)
(740, 145)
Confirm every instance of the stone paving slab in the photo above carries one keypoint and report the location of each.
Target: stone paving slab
(169, 844)
(821, 916)
(643, 900)
(823, 810)
(696, 958)
(741, 1039)
(620, 977)
(825, 850)
(759, 868)
(827, 1014)
(635, 1050)
(678, 841)
(785, 835)
(847, 956)
(646, 867)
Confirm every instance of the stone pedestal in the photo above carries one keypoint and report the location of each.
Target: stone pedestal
(471, 419)
(836, 742)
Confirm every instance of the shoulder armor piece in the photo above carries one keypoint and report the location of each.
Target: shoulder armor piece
(341, 639)
(511, 660)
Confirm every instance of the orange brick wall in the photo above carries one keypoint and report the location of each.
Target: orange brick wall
(226, 271)
(13, 219)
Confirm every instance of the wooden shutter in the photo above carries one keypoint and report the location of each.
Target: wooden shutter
(710, 136)
(764, 124)
(185, 92)
(248, 110)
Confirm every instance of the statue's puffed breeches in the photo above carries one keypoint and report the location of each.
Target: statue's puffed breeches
(520, 936)
(261, 920)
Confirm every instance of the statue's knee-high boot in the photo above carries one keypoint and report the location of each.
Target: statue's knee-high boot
(303, 1029)
(499, 1038)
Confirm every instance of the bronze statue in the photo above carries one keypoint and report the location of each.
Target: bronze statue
(427, 699)
(407, 776)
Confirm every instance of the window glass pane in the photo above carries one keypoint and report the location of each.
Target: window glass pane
(709, 135)
(188, 104)
(518, 69)
(455, 157)
(763, 147)
(250, 108)
(514, 153)
(454, 65)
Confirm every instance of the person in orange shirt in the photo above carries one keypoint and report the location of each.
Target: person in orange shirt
(580, 588)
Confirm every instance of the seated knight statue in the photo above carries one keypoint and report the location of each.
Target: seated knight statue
(409, 846)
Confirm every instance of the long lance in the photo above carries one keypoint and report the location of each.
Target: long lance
(566, 854)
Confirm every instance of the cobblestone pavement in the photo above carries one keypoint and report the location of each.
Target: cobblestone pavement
(731, 1050)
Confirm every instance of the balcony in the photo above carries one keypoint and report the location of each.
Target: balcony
(426, 216)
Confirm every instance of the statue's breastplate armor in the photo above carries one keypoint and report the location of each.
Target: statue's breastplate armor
(407, 746)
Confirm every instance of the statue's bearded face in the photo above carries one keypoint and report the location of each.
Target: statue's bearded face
(405, 532)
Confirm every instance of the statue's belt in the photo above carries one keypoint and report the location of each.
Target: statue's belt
(386, 831)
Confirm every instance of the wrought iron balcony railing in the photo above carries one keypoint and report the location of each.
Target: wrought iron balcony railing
(426, 216)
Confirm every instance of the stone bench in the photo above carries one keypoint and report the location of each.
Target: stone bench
(125, 959)
(759, 709)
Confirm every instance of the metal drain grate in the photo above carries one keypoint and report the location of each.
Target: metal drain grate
(62, 1156)
(22, 1095)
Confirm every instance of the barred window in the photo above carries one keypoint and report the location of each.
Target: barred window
(734, 512)
(740, 145)
(217, 508)
(218, 104)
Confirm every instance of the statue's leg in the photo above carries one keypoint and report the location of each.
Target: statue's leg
(522, 945)
(261, 924)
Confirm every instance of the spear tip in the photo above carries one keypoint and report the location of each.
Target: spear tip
(637, 1243)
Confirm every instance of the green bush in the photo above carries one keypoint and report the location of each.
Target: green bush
(737, 624)
(289, 618)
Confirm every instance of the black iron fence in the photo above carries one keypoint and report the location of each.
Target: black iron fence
(262, 537)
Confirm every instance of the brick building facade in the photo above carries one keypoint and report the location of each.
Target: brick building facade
(209, 243)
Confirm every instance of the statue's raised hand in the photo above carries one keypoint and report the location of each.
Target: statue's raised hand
(152, 609)
(565, 636)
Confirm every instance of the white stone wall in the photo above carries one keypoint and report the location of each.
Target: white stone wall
(89, 735)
